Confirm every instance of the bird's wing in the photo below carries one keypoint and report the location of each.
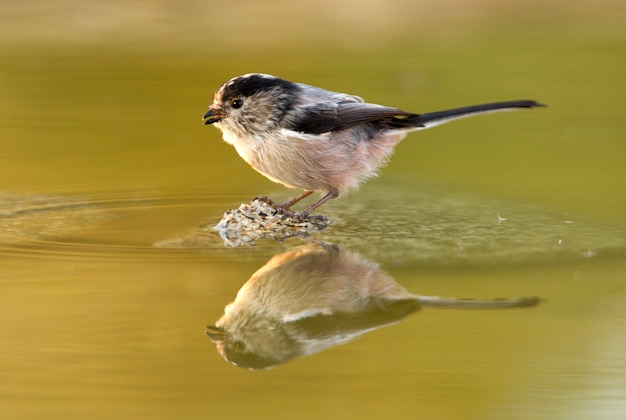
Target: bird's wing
(323, 117)
(376, 314)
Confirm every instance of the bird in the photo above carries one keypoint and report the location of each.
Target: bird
(317, 296)
(317, 140)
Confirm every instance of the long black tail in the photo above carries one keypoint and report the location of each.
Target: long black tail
(432, 119)
(443, 302)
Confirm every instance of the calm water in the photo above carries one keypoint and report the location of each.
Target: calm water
(110, 271)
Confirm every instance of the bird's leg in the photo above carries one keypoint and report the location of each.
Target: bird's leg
(307, 212)
(287, 204)
(285, 207)
(267, 200)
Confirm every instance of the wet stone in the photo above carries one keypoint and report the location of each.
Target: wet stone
(264, 219)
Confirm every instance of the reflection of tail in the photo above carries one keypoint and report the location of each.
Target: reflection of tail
(432, 119)
(441, 302)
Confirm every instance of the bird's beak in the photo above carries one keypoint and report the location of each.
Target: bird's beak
(215, 333)
(211, 117)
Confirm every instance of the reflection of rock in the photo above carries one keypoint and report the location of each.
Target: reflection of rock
(315, 297)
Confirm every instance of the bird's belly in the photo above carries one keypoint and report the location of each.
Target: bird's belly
(326, 165)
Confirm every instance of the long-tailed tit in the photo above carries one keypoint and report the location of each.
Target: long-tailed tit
(317, 296)
(310, 138)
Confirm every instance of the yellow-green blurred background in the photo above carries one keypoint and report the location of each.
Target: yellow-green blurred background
(101, 104)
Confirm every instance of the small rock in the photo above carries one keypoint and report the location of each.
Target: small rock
(262, 219)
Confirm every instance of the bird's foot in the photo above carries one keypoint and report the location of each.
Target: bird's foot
(265, 199)
(282, 209)
(295, 217)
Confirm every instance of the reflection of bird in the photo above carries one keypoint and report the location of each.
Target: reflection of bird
(314, 297)
(310, 138)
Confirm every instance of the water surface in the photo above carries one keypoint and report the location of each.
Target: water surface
(110, 271)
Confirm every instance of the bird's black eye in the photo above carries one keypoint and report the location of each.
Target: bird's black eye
(237, 103)
(238, 346)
